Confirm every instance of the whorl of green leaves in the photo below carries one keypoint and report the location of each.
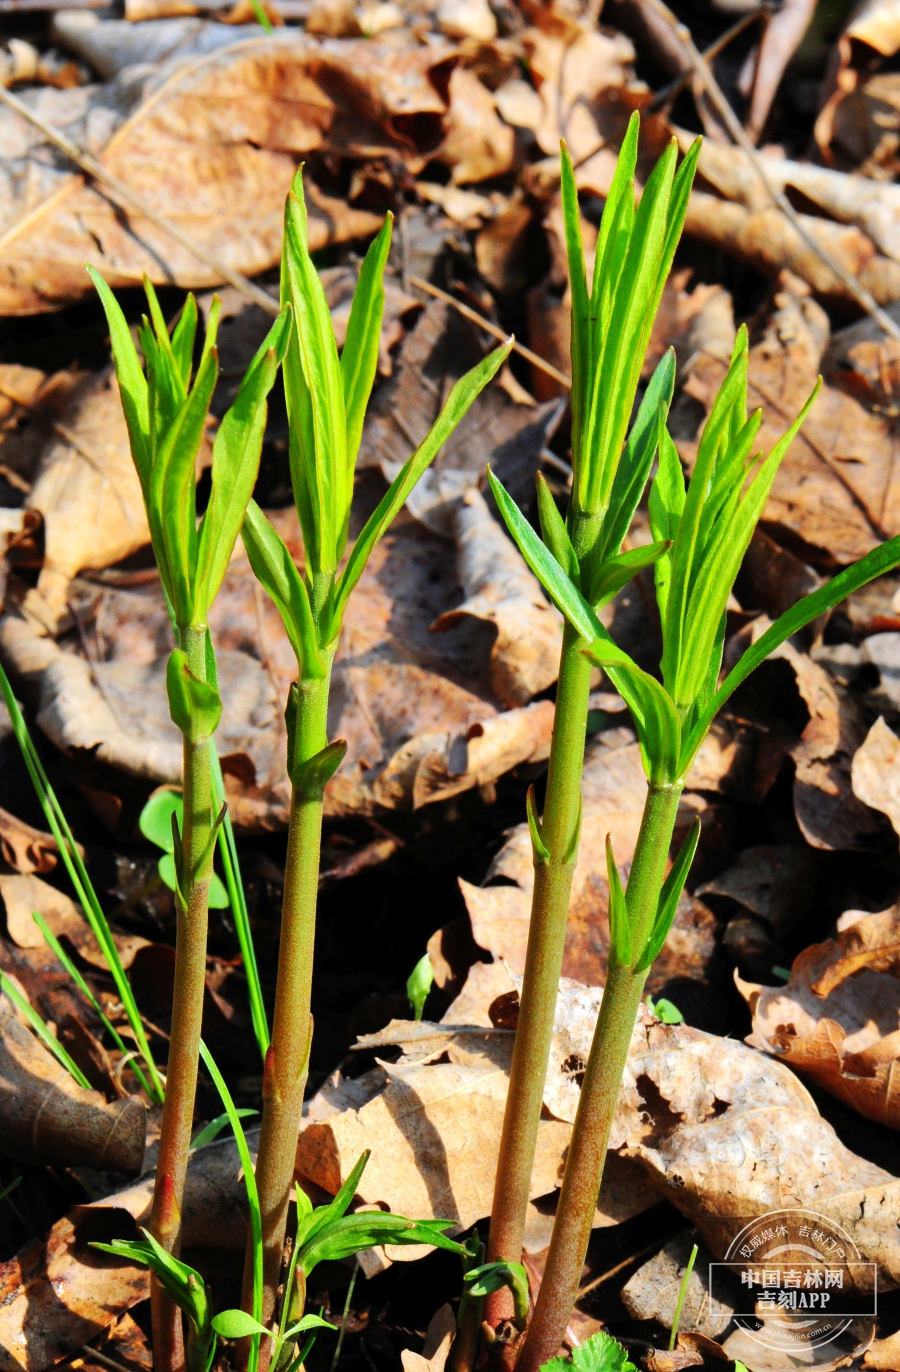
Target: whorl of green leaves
(327, 397)
(611, 325)
(166, 409)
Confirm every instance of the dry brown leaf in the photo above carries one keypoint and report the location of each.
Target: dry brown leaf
(775, 882)
(883, 1355)
(838, 1017)
(438, 1339)
(570, 65)
(88, 493)
(229, 126)
(25, 849)
(780, 40)
(873, 206)
(478, 144)
(836, 489)
(500, 590)
(768, 242)
(876, 771)
(727, 1134)
(614, 788)
(433, 1120)
(24, 894)
(46, 1117)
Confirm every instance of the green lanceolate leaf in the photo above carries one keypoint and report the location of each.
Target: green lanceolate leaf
(667, 497)
(466, 390)
(195, 705)
(617, 571)
(356, 1233)
(183, 1283)
(874, 564)
(359, 359)
(210, 1132)
(321, 477)
(131, 379)
(670, 896)
(565, 596)
(235, 465)
(637, 458)
(580, 345)
(654, 715)
(554, 531)
(274, 567)
(619, 923)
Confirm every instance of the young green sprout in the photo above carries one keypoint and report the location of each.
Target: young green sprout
(166, 411)
(701, 534)
(327, 397)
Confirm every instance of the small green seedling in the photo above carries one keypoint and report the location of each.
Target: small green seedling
(600, 1353)
(166, 406)
(419, 983)
(327, 394)
(682, 1295)
(493, 1276)
(186, 1288)
(664, 1010)
(156, 824)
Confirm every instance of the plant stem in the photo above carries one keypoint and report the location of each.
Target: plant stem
(543, 964)
(288, 1057)
(187, 1015)
(600, 1091)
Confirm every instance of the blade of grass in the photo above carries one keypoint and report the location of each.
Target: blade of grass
(10, 989)
(81, 882)
(235, 887)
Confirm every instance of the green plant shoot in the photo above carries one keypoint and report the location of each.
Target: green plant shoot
(327, 395)
(418, 985)
(166, 409)
(156, 824)
(701, 532)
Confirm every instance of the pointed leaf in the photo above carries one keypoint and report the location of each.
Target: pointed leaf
(237, 1324)
(195, 705)
(619, 923)
(458, 402)
(565, 596)
(580, 317)
(131, 379)
(554, 531)
(654, 715)
(539, 848)
(637, 459)
(274, 567)
(359, 359)
(670, 896)
(618, 571)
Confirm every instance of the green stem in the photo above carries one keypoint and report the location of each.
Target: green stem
(287, 1059)
(600, 1091)
(543, 963)
(187, 1015)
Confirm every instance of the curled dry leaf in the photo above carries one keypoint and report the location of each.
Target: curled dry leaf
(570, 65)
(25, 849)
(229, 123)
(614, 789)
(22, 895)
(88, 493)
(768, 242)
(876, 771)
(478, 144)
(872, 206)
(837, 489)
(46, 1117)
(727, 1134)
(500, 590)
(838, 1018)
(773, 881)
(433, 1120)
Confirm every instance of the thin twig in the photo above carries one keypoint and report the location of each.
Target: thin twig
(490, 328)
(738, 133)
(132, 200)
(670, 93)
(105, 1359)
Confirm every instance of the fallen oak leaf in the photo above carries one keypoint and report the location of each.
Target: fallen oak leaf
(26, 849)
(838, 1017)
(22, 895)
